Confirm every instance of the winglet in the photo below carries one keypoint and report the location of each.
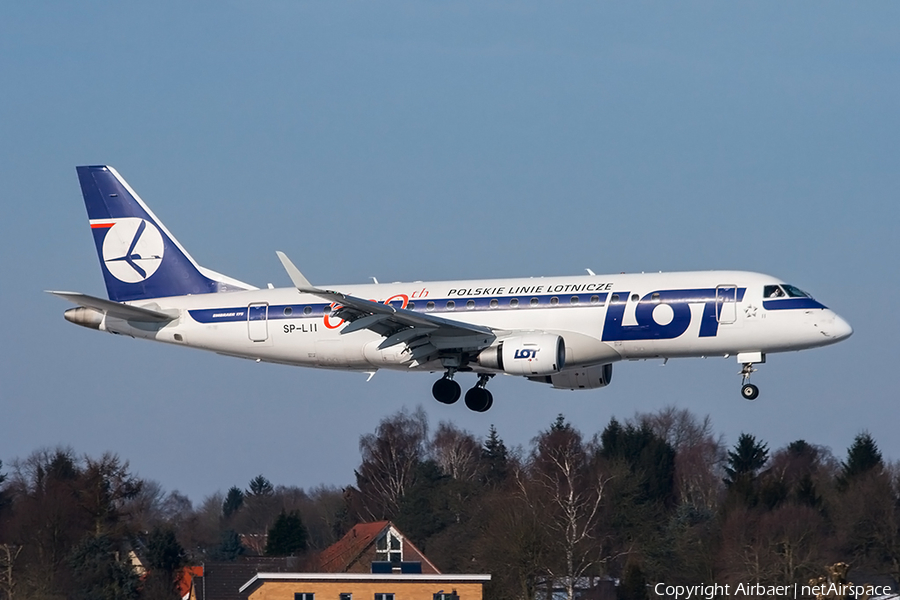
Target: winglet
(300, 282)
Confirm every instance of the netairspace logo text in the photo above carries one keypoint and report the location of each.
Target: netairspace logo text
(711, 591)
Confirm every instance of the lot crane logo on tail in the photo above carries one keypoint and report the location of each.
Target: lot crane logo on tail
(132, 249)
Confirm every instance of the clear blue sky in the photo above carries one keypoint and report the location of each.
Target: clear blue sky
(442, 140)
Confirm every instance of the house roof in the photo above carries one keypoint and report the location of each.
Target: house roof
(222, 580)
(260, 578)
(338, 556)
(184, 578)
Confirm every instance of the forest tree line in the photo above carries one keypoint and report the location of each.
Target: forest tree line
(657, 497)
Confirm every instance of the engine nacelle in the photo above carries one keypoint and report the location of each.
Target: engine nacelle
(580, 379)
(84, 316)
(529, 354)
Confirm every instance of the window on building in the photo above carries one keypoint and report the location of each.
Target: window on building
(384, 597)
(346, 597)
(302, 596)
(389, 547)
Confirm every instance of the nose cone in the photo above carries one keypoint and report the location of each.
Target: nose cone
(832, 327)
(840, 330)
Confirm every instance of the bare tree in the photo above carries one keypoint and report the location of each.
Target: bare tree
(456, 452)
(700, 454)
(389, 460)
(8, 555)
(563, 484)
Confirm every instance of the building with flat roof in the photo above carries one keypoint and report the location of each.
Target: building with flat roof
(373, 561)
(363, 586)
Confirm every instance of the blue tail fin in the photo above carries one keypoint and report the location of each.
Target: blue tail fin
(140, 259)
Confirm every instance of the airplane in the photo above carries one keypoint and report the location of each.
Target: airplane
(563, 331)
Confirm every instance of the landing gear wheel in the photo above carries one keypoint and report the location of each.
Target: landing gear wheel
(479, 399)
(446, 391)
(749, 391)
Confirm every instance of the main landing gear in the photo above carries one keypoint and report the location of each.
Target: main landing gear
(748, 390)
(447, 391)
(479, 398)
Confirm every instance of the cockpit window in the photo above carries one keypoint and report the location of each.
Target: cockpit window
(795, 292)
(773, 291)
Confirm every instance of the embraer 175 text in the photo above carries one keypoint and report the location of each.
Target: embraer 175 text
(564, 331)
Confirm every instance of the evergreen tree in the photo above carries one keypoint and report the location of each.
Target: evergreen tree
(747, 458)
(99, 573)
(287, 536)
(649, 457)
(744, 463)
(633, 585)
(233, 501)
(863, 456)
(495, 458)
(560, 424)
(425, 509)
(260, 487)
(163, 551)
(165, 557)
(229, 547)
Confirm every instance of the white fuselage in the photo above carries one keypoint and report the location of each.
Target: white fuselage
(603, 319)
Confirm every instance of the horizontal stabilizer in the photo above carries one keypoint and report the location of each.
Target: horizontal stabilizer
(115, 309)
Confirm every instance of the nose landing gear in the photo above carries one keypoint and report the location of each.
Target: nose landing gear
(748, 390)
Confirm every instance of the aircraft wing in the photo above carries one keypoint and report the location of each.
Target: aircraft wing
(114, 309)
(424, 335)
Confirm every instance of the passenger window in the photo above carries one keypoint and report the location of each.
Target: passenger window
(655, 297)
(429, 306)
(495, 303)
(451, 304)
(614, 298)
(595, 299)
(411, 306)
(288, 310)
(514, 302)
(554, 301)
(307, 310)
(535, 301)
(573, 300)
(470, 304)
(635, 297)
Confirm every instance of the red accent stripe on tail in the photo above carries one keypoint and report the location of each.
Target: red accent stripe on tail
(101, 225)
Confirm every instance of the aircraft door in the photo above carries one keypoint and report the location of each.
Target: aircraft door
(726, 304)
(257, 321)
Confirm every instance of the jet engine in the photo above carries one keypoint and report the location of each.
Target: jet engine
(84, 316)
(528, 354)
(587, 378)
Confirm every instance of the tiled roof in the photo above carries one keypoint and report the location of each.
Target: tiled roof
(340, 555)
(185, 576)
(221, 581)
